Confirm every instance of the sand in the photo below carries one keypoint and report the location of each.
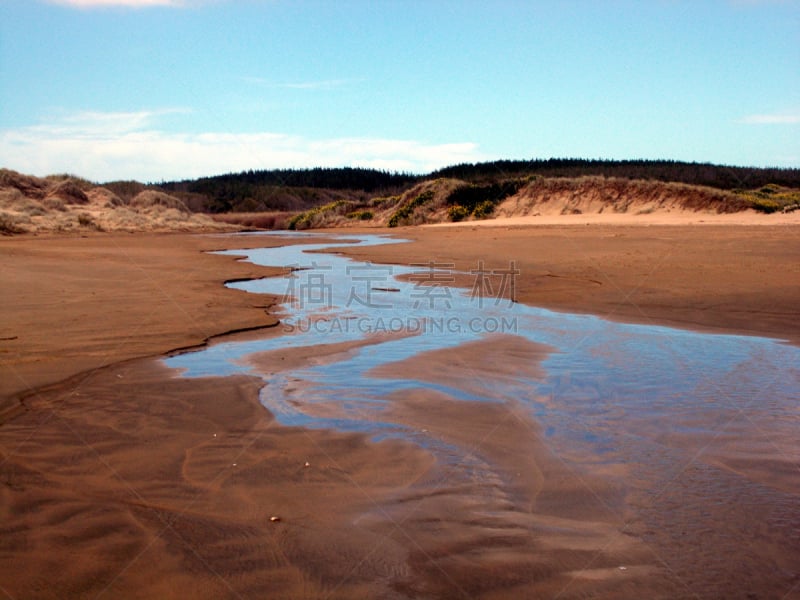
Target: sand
(721, 278)
(118, 479)
(75, 303)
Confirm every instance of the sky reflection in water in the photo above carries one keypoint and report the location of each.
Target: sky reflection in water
(606, 382)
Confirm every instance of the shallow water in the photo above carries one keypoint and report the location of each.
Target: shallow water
(602, 378)
(705, 427)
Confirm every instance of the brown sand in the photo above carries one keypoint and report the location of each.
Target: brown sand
(738, 278)
(122, 481)
(131, 483)
(71, 304)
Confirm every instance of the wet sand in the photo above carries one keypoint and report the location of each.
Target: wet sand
(722, 278)
(118, 479)
(135, 484)
(130, 482)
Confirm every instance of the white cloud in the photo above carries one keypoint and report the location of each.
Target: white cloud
(777, 119)
(92, 123)
(108, 146)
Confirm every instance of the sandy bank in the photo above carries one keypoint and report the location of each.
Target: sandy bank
(738, 278)
(75, 303)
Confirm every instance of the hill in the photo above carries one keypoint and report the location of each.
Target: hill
(450, 200)
(63, 203)
(294, 190)
(309, 198)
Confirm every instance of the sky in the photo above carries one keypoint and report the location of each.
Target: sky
(158, 90)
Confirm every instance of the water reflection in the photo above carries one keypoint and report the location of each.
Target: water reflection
(610, 388)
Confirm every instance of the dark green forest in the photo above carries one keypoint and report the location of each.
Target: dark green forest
(716, 176)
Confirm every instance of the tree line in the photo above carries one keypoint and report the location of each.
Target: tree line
(692, 173)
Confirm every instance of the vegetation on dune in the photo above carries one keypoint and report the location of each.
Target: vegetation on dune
(300, 190)
(63, 203)
(361, 215)
(320, 216)
(88, 221)
(705, 174)
(479, 200)
(325, 197)
(9, 224)
(772, 198)
(27, 185)
(125, 189)
(457, 213)
(259, 220)
(564, 195)
(69, 191)
(483, 210)
(402, 215)
(383, 201)
(150, 198)
(80, 182)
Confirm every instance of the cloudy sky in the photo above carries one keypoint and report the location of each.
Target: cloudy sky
(165, 89)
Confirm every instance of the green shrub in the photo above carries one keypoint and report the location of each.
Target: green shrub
(380, 201)
(765, 206)
(407, 209)
(293, 222)
(769, 189)
(361, 215)
(770, 198)
(483, 210)
(457, 213)
(472, 195)
(309, 218)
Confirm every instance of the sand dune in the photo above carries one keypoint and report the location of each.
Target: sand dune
(62, 204)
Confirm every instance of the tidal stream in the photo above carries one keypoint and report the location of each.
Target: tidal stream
(698, 419)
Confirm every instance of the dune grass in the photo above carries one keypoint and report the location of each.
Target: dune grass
(64, 203)
(772, 198)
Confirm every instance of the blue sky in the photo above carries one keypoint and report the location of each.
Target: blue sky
(165, 89)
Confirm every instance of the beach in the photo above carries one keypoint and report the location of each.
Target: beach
(122, 479)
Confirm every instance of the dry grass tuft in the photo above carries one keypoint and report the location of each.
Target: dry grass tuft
(10, 224)
(11, 199)
(29, 186)
(151, 199)
(104, 198)
(69, 191)
(82, 183)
